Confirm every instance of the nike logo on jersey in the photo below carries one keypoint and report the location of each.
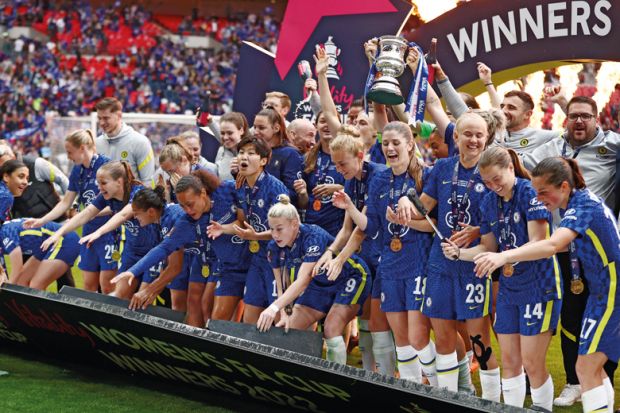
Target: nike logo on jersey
(531, 324)
(473, 307)
(383, 195)
(419, 298)
(446, 182)
(493, 223)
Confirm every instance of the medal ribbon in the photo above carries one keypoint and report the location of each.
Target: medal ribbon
(458, 209)
(394, 196)
(575, 266)
(321, 172)
(416, 101)
(83, 182)
(359, 188)
(505, 222)
(250, 193)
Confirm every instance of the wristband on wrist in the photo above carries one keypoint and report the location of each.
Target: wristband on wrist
(273, 307)
(489, 84)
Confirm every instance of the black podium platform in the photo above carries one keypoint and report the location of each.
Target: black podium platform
(133, 343)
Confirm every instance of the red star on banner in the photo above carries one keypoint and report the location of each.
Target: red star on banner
(302, 17)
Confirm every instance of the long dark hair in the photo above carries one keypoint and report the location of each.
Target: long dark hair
(150, 198)
(275, 118)
(197, 181)
(557, 170)
(11, 166)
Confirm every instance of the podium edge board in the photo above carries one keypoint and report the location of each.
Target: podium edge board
(447, 398)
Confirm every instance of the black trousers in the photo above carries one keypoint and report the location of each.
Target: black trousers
(573, 307)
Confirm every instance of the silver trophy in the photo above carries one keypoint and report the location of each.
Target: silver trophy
(390, 64)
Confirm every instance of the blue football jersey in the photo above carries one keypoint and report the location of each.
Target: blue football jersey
(83, 181)
(597, 244)
(328, 216)
(6, 202)
(532, 280)
(226, 253)
(358, 190)
(311, 243)
(138, 239)
(439, 187)
(385, 190)
(256, 201)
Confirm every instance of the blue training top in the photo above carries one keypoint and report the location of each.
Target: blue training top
(597, 244)
(385, 190)
(532, 281)
(285, 164)
(83, 181)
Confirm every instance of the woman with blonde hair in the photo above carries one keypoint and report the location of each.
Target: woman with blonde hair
(318, 181)
(96, 262)
(306, 295)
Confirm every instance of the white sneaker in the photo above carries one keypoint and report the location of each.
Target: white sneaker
(571, 393)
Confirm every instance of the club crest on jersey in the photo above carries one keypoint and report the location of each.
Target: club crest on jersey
(479, 188)
(124, 154)
(260, 203)
(466, 218)
(131, 227)
(88, 196)
(395, 229)
(523, 143)
(516, 217)
(429, 302)
(256, 223)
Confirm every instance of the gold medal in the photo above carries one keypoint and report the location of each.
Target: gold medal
(576, 286)
(396, 245)
(116, 255)
(509, 269)
(205, 271)
(316, 205)
(254, 246)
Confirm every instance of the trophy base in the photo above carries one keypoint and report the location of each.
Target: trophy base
(385, 91)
